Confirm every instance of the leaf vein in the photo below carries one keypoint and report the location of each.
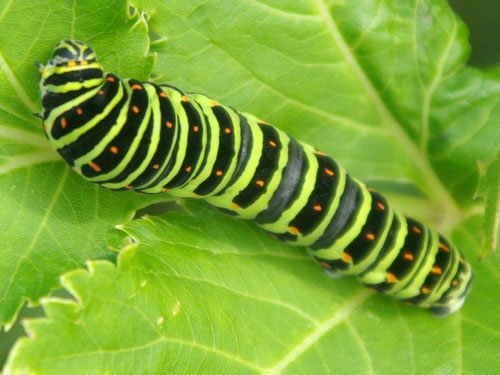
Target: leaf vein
(25, 137)
(27, 160)
(277, 302)
(42, 225)
(339, 316)
(429, 92)
(16, 85)
(435, 186)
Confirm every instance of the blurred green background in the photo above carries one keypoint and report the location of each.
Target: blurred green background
(483, 20)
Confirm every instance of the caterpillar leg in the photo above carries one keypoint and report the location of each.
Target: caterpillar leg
(331, 273)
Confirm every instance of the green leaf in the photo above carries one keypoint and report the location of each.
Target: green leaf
(490, 190)
(51, 220)
(208, 294)
(379, 84)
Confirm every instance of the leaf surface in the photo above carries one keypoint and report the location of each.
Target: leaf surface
(490, 190)
(380, 85)
(206, 294)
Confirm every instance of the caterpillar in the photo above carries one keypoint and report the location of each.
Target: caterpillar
(126, 134)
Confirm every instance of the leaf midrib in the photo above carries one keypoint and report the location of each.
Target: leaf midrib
(436, 189)
(338, 317)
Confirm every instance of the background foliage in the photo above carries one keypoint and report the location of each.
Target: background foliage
(380, 85)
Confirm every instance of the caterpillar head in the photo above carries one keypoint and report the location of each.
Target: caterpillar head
(73, 66)
(73, 50)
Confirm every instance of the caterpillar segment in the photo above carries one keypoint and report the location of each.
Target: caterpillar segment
(124, 134)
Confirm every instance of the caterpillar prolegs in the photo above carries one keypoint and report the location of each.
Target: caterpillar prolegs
(126, 134)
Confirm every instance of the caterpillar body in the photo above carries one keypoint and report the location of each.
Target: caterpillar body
(126, 134)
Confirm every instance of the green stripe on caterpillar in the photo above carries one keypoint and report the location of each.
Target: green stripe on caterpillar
(126, 134)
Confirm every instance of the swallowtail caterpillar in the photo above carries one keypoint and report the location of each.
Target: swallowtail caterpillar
(124, 134)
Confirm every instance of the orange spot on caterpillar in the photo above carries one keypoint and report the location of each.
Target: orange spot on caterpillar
(43, 71)
(213, 103)
(84, 62)
(71, 64)
(156, 166)
(319, 153)
(454, 282)
(317, 207)
(188, 169)
(110, 79)
(380, 206)
(45, 127)
(63, 123)
(370, 236)
(272, 143)
(218, 173)
(235, 205)
(390, 278)
(416, 229)
(227, 130)
(196, 128)
(185, 99)
(114, 150)
(101, 92)
(325, 264)
(135, 109)
(346, 257)
(164, 189)
(163, 95)
(262, 122)
(260, 183)
(371, 189)
(94, 166)
(136, 87)
(443, 247)
(425, 290)
(329, 172)
(128, 187)
(79, 111)
(408, 256)
(436, 270)
(169, 124)
(293, 230)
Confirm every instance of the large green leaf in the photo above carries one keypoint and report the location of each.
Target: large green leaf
(206, 294)
(380, 85)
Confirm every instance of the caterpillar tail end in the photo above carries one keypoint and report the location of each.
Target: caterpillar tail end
(443, 310)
